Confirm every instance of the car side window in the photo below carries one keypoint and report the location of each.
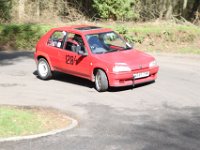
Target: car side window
(72, 41)
(57, 39)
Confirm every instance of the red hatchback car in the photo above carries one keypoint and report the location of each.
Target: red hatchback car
(95, 53)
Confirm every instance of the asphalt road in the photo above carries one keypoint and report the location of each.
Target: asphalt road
(164, 115)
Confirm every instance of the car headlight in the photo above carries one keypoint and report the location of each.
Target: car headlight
(121, 68)
(152, 64)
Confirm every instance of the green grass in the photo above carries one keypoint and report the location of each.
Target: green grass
(187, 50)
(15, 122)
(150, 28)
(21, 36)
(162, 37)
(20, 121)
(163, 31)
(25, 36)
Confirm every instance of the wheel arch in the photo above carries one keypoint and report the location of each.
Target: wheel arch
(95, 71)
(47, 59)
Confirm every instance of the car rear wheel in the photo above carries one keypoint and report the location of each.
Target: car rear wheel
(43, 69)
(101, 81)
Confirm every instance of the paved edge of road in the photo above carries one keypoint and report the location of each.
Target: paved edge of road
(50, 133)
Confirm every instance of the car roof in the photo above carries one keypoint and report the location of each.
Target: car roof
(83, 29)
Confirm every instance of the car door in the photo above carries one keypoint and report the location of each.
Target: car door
(54, 44)
(72, 62)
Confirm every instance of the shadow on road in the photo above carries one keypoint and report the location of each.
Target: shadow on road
(8, 58)
(130, 129)
(84, 82)
(118, 89)
(58, 76)
(165, 128)
(72, 79)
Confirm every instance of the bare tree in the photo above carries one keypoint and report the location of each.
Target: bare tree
(21, 10)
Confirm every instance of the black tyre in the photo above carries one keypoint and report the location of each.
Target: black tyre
(101, 81)
(43, 69)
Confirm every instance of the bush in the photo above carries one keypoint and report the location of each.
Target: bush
(129, 36)
(21, 36)
(115, 9)
(5, 9)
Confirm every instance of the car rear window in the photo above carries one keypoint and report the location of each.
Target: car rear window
(57, 39)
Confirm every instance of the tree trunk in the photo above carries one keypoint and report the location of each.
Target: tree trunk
(185, 4)
(21, 9)
(38, 9)
(162, 9)
(169, 12)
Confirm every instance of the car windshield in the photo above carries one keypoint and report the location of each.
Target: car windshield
(106, 42)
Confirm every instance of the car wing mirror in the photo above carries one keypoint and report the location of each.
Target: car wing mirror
(129, 45)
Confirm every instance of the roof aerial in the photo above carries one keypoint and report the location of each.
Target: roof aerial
(88, 28)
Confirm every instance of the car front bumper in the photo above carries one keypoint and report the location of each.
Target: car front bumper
(126, 79)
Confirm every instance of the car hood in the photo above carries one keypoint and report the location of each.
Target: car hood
(135, 59)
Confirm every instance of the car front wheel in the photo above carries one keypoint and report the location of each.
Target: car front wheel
(101, 81)
(43, 69)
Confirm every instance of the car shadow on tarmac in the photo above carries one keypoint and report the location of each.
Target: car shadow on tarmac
(59, 76)
(84, 82)
(125, 88)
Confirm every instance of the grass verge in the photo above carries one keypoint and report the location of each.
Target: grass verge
(17, 121)
(163, 37)
(21, 36)
(158, 37)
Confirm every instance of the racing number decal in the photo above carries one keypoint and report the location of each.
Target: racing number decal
(70, 59)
